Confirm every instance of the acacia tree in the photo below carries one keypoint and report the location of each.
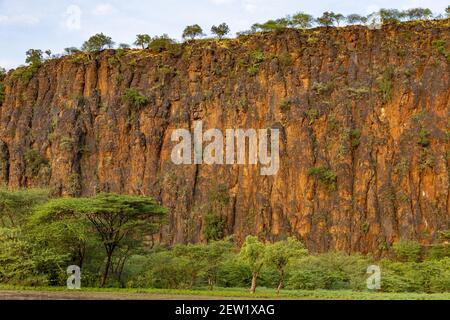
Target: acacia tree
(57, 224)
(214, 254)
(15, 205)
(390, 15)
(447, 11)
(280, 253)
(326, 19)
(142, 40)
(113, 218)
(418, 13)
(302, 20)
(221, 30)
(34, 57)
(253, 253)
(193, 32)
(97, 43)
(355, 18)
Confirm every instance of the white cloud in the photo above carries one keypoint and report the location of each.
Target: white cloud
(73, 18)
(104, 9)
(18, 19)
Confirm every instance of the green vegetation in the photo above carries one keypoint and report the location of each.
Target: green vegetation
(134, 98)
(424, 138)
(325, 175)
(142, 40)
(285, 105)
(107, 236)
(439, 45)
(34, 162)
(214, 226)
(161, 43)
(192, 32)
(221, 30)
(97, 43)
(2, 85)
(385, 83)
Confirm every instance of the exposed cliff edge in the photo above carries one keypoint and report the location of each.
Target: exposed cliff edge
(371, 107)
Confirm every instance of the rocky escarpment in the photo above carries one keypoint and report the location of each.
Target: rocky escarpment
(363, 114)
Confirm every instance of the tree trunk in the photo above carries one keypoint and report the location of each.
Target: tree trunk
(281, 284)
(107, 267)
(253, 288)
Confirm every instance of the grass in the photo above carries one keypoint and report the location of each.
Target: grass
(261, 293)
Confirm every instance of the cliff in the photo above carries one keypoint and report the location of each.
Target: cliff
(363, 116)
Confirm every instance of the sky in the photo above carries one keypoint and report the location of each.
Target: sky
(58, 24)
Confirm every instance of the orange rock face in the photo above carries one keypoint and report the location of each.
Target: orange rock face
(364, 118)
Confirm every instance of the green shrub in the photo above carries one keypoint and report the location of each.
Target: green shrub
(428, 276)
(325, 175)
(34, 162)
(285, 105)
(214, 227)
(330, 271)
(134, 99)
(424, 136)
(407, 251)
(385, 83)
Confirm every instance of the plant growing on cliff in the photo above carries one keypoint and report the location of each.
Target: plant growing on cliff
(385, 83)
(424, 136)
(325, 175)
(134, 99)
(142, 40)
(192, 32)
(439, 45)
(221, 30)
(97, 42)
(214, 226)
(253, 254)
(2, 85)
(34, 162)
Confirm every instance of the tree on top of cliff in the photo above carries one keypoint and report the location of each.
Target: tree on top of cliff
(221, 30)
(447, 11)
(302, 20)
(161, 43)
(97, 43)
(71, 50)
(418, 13)
(192, 32)
(272, 25)
(326, 19)
(356, 18)
(390, 15)
(142, 40)
(34, 57)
